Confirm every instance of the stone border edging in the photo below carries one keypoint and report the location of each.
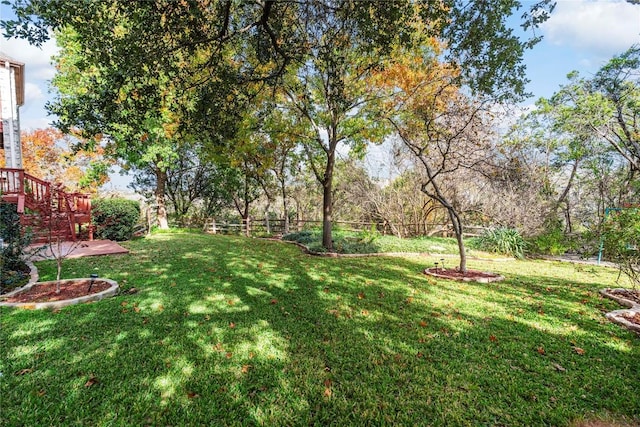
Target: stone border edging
(33, 273)
(111, 291)
(617, 316)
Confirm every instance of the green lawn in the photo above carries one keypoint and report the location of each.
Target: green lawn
(233, 331)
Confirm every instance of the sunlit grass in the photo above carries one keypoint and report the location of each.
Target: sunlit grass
(234, 331)
(364, 242)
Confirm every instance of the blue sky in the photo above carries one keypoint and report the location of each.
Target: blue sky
(580, 35)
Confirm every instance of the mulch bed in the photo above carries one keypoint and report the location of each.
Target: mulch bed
(46, 292)
(628, 294)
(456, 274)
(632, 317)
(468, 276)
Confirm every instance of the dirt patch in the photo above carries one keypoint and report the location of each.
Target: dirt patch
(47, 292)
(468, 276)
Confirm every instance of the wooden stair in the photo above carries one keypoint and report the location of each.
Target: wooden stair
(45, 208)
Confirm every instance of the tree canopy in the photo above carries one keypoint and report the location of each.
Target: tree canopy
(152, 77)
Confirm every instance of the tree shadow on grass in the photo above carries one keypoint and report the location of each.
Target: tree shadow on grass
(231, 331)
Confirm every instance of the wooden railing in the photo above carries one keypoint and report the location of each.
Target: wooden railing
(11, 181)
(37, 193)
(47, 199)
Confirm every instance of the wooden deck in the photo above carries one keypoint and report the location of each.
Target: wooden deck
(57, 211)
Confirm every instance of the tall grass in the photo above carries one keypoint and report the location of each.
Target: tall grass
(506, 241)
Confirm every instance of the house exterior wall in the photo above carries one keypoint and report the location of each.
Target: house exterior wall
(11, 97)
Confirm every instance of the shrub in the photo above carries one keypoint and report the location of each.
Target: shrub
(621, 242)
(304, 237)
(13, 271)
(369, 235)
(507, 241)
(115, 219)
(553, 241)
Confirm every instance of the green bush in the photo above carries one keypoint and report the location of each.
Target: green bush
(552, 242)
(115, 219)
(304, 237)
(13, 271)
(507, 241)
(370, 235)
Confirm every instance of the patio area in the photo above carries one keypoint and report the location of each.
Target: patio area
(39, 252)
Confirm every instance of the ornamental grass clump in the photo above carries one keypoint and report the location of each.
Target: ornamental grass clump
(503, 240)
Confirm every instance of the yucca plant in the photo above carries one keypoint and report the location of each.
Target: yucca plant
(503, 240)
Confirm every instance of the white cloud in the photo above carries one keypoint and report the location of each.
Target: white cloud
(602, 28)
(33, 93)
(37, 60)
(27, 124)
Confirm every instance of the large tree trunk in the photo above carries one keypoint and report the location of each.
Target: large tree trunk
(161, 183)
(327, 203)
(285, 208)
(267, 223)
(327, 211)
(457, 228)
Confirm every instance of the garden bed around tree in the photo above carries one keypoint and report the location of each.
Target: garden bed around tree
(468, 276)
(72, 291)
(630, 298)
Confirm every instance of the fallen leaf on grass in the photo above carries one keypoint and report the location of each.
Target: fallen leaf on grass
(274, 301)
(24, 371)
(192, 395)
(559, 368)
(541, 351)
(361, 295)
(41, 392)
(136, 309)
(230, 302)
(232, 325)
(493, 338)
(578, 350)
(327, 392)
(327, 382)
(229, 355)
(91, 381)
(423, 324)
(365, 312)
(245, 369)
